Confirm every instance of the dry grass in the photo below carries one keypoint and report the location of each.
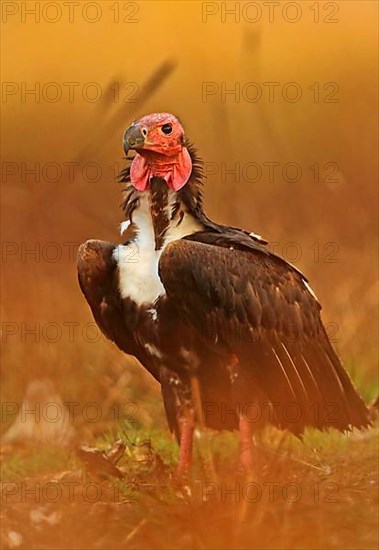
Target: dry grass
(321, 493)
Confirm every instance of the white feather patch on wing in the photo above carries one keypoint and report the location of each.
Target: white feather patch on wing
(256, 236)
(308, 287)
(153, 350)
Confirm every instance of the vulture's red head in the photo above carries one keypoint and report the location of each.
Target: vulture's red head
(159, 142)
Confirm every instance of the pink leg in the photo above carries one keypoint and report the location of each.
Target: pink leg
(246, 431)
(185, 452)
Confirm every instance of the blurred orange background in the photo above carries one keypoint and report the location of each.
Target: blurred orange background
(333, 223)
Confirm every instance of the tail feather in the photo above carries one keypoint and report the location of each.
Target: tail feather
(308, 374)
(333, 409)
(357, 410)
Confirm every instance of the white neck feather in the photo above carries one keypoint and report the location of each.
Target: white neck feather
(138, 260)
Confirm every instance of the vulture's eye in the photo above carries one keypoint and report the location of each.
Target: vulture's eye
(166, 129)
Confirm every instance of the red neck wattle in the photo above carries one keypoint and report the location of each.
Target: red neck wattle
(176, 170)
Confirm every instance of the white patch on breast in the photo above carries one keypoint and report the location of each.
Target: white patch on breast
(187, 226)
(138, 260)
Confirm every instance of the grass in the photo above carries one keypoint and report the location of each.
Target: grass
(318, 493)
(33, 462)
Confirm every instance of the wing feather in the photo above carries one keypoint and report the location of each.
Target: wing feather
(256, 306)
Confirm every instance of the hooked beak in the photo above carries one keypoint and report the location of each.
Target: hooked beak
(133, 139)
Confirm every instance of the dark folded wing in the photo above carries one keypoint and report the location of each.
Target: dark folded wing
(98, 279)
(256, 306)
